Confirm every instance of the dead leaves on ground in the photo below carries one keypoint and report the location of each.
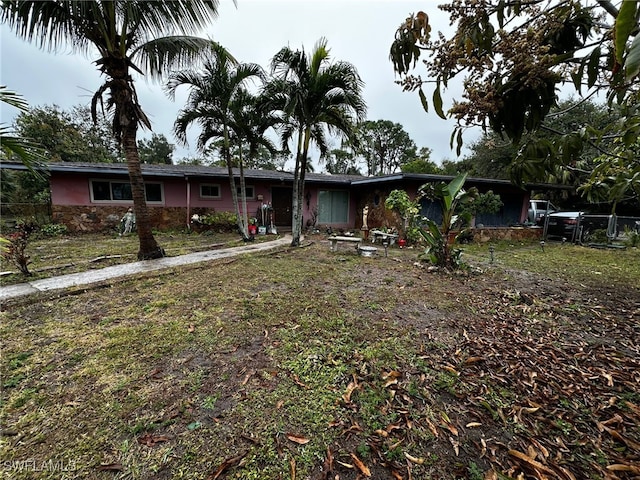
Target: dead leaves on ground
(532, 389)
(151, 440)
(229, 463)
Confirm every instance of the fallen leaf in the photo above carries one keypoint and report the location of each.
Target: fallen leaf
(299, 383)
(451, 370)
(473, 424)
(432, 427)
(191, 329)
(298, 438)
(350, 388)
(360, 466)
(472, 360)
(247, 377)
(412, 459)
(292, 468)
(491, 475)
(456, 445)
(390, 381)
(151, 440)
(531, 462)
(619, 467)
(227, 464)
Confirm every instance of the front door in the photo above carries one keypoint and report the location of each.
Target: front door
(281, 201)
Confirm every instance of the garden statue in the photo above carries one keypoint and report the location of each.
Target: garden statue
(128, 222)
(365, 214)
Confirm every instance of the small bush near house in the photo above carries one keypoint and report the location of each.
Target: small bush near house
(15, 245)
(53, 230)
(220, 221)
(632, 237)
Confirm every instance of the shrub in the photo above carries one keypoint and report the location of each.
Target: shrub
(54, 230)
(15, 245)
(222, 221)
(632, 237)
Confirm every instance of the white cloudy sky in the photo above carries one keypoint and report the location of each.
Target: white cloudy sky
(358, 31)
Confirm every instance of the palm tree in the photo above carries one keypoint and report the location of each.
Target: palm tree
(11, 145)
(216, 99)
(314, 94)
(128, 35)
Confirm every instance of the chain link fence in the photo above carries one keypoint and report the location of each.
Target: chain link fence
(11, 213)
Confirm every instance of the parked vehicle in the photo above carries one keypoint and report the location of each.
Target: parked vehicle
(538, 209)
(562, 224)
(581, 227)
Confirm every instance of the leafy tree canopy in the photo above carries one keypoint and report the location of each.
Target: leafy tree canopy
(422, 164)
(156, 149)
(384, 146)
(340, 161)
(68, 136)
(513, 57)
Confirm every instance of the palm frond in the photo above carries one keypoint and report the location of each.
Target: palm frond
(160, 57)
(12, 98)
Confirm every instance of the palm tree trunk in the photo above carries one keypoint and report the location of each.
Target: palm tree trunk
(296, 201)
(232, 182)
(243, 194)
(149, 248)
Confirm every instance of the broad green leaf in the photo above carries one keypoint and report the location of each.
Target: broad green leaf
(453, 136)
(632, 64)
(625, 23)
(423, 99)
(437, 102)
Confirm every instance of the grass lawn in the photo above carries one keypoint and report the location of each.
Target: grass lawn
(305, 363)
(69, 254)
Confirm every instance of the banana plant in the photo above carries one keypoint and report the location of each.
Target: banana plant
(440, 238)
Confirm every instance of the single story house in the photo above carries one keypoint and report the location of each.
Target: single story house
(94, 196)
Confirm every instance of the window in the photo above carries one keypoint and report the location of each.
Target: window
(251, 193)
(115, 191)
(333, 206)
(209, 191)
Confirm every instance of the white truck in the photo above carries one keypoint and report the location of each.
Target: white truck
(538, 209)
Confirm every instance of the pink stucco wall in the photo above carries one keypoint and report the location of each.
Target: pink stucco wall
(74, 190)
(70, 190)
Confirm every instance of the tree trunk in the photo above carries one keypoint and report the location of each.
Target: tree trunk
(149, 248)
(298, 191)
(243, 195)
(232, 183)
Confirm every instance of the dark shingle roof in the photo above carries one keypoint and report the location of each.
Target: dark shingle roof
(184, 171)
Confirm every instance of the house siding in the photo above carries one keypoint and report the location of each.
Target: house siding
(72, 201)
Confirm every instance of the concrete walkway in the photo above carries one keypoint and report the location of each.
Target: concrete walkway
(116, 271)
